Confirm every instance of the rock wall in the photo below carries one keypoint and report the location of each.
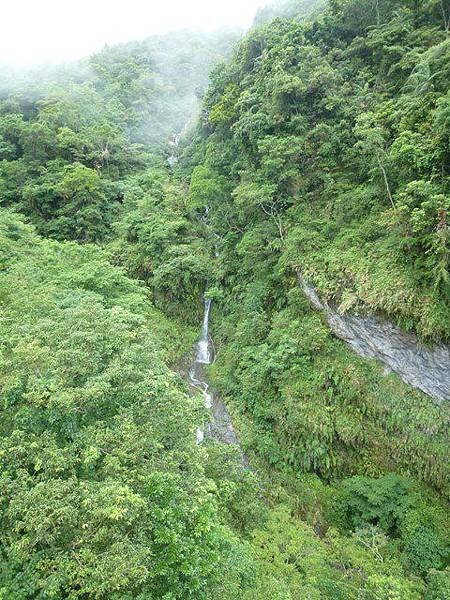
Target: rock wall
(427, 369)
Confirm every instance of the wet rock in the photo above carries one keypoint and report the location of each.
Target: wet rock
(220, 425)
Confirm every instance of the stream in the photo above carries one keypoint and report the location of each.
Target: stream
(173, 158)
(219, 426)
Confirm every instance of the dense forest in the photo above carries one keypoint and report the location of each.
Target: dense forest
(317, 146)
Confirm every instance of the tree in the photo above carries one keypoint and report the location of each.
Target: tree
(103, 492)
(373, 143)
(72, 202)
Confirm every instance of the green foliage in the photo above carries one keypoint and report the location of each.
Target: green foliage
(158, 243)
(392, 504)
(361, 501)
(328, 130)
(102, 488)
(439, 585)
(294, 563)
(72, 202)
(60, 173)
(204, 188)
(423, 217)
(225, 110)
(68, 140)
(319, 152)
(323, 147)
(289, 9)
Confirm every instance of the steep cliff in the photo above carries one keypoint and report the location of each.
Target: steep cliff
(425, 368)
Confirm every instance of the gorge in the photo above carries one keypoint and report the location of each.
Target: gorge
(225, 312)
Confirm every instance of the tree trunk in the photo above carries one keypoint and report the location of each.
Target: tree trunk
(377, 10)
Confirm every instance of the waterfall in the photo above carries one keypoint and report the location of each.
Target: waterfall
(219, 426)
(202, 357)
(203, 351)
(173, 158)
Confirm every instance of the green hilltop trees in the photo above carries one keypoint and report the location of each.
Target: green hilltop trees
(102, 486)
(69, 138)
(321, 147)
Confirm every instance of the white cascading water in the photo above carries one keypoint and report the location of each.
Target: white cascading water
(202, 357)
(219, 426)
(173, 158)
(203, 352)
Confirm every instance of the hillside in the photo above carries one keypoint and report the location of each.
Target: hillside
(309, 192)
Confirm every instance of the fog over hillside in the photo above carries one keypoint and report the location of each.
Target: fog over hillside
(53, 31)
(225, 300)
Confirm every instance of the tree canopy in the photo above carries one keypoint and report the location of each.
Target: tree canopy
(320, 147)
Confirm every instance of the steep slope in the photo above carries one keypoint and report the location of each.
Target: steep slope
(322, 152)
(71, 136)
(334, 138)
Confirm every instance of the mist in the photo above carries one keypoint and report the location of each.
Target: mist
(51, 31)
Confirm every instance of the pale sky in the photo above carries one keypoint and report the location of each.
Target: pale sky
(36, 31)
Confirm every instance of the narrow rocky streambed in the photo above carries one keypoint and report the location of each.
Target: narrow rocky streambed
(219, 426)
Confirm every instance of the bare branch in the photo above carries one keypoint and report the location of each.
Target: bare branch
(386, 181)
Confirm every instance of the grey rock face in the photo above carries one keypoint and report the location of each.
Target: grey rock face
(427, 369)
